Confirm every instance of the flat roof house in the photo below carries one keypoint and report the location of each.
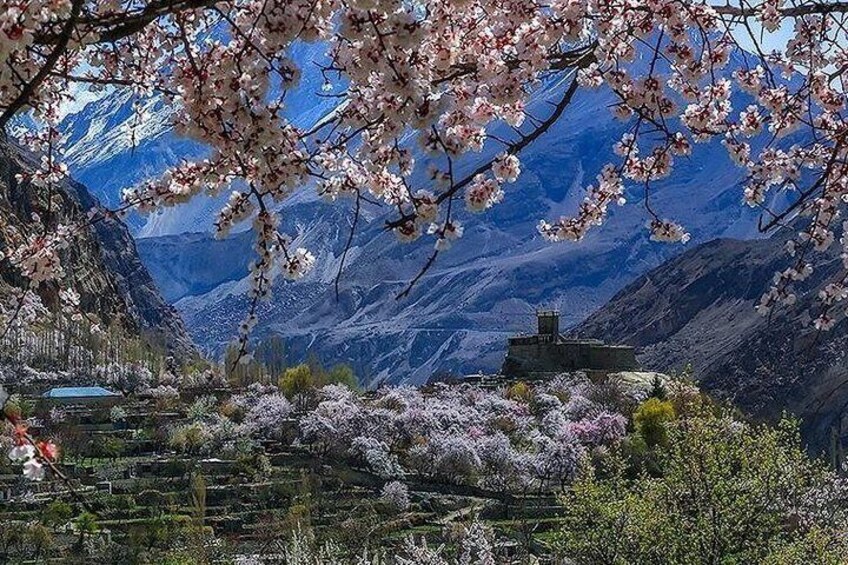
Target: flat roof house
(82, 395)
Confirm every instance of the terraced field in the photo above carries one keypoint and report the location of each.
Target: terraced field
(147, 500)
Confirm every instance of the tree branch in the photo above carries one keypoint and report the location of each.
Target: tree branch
(29, 89)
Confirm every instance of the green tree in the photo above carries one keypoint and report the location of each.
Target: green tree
(57, 513)
(271, 352)
(519, 391)
(316, 367)
(658, 389)
(198, 496)
(730, 493)
(239, 372)
(85, 525)
(342, 374)
(111, 447)
(818, 547)
(39, 539)
(651, 420)
(297, 380)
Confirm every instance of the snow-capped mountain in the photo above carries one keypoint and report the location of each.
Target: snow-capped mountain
(109, 146)
(459, 315)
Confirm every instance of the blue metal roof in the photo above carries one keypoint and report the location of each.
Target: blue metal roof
(78, 392)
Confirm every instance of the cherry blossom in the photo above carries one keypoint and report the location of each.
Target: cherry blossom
(21, 453)
(33, 469)
(31, 454)
(267, 414)
(465, 434)
(453, 80)
(396, 495)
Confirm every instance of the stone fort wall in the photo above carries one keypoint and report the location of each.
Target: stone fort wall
(528, 355)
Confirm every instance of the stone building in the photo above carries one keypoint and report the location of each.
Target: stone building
(549, 352)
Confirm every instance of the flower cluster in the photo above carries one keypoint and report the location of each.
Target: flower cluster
(396, 495)
(466, 434)
(453, 77)
(30, 454)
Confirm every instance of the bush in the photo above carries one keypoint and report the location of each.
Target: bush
(190, 438)
(729, 493)
(112, 448)
(519, 392)
(57, 513)
(651, 420)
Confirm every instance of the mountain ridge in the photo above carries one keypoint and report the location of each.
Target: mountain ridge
(102, 260)
(697, 312)
(484, 288)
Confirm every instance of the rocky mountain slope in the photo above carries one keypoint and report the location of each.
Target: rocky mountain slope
(484, 289)
(102, 261)
(478, 293)
(698, 309)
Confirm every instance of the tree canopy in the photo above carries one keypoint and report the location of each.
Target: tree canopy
(445, 73)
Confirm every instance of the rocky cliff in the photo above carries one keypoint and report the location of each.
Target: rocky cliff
(698, 309)
(102, 261)
(460, 315)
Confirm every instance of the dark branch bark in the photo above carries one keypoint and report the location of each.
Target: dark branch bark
(813, 8)
(513, 149)
(29, 89)
(520, 144)
(113, 27)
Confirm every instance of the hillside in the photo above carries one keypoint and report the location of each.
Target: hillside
(698, 309)
(477, 294)
(484, 289)
(113, 283)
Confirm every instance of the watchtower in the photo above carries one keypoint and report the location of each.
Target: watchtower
(548, 323)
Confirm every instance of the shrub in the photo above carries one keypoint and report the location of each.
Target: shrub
(111, 448)
(651, 420)
(520, 392)
(57, 513)
(117, 414)
(729, 493)
(190, 438)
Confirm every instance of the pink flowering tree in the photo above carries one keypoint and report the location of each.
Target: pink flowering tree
(465, 434)
(443, 75)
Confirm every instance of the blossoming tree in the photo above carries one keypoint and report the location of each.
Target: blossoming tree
(443, 73)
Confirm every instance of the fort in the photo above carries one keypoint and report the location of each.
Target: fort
(550, 352)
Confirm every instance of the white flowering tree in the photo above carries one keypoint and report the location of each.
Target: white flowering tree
(464, 434)
(445, 73)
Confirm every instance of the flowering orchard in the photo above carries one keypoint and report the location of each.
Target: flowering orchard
(467, 434)
(442, 73)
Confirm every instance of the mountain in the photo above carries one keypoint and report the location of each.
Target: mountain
(101, 260)
(698, 310)
(113, 140)
(195, 263)
(484, 289)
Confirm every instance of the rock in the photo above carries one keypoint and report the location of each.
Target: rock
(101, 262)
(696, 313)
